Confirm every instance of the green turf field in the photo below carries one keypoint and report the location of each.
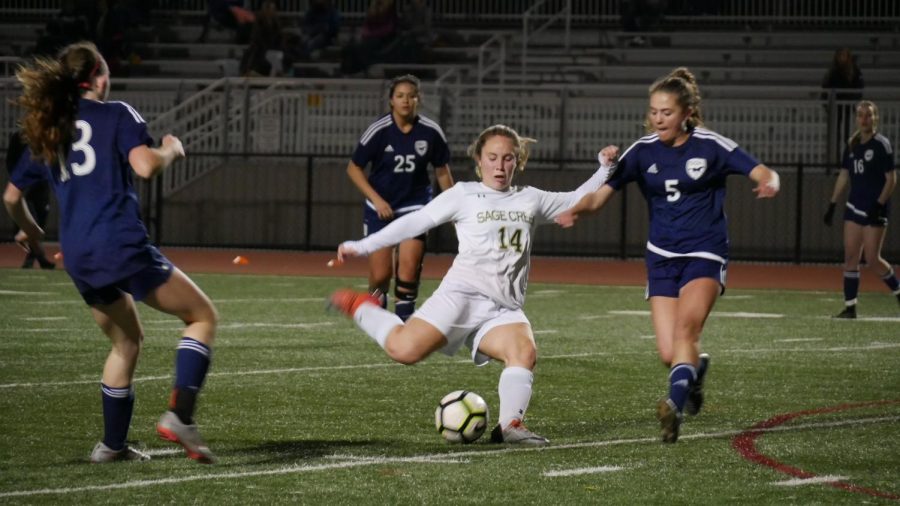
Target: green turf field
(301, 407)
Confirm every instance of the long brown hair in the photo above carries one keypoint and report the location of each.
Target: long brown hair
(681, 83)
(51, 89)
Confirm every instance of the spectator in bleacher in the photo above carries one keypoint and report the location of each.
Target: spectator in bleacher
(399, 147)
(75, 21)
(681, 170)
(844, 80)
(264, 55)
(379, 30)
(641, 16)
(115, 32)
(230, 14)
(37, 198)
(321, 24)
(868, 166)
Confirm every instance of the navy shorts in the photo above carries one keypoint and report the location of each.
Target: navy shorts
(154, 274)
(372, 223)
(667, 276)
(851, 215)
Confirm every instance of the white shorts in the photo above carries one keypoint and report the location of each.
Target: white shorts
(464, 317)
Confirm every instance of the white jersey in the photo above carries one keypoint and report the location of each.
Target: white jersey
(495, 231)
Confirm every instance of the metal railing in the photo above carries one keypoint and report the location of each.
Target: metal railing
(564, 14)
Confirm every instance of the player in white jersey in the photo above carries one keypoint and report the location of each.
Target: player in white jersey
(868, 167)
(479, 302)
(681, 170)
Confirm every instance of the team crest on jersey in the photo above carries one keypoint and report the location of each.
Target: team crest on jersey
(695, 167)
(868, 155)
(421, 147)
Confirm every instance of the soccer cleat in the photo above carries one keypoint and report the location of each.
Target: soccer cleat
(695, 394)
(849, 312)
(517, 433)
(348, 301)
(103, 454)
(172, 429)
(669, 420)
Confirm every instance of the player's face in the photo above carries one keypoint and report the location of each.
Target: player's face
(865, 119)
(666, 118)
(498, 162)
(405, 100)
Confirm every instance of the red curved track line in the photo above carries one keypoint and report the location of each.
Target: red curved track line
(745, 444)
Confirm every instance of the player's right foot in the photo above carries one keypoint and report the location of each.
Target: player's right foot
(516, 433)
(695, 394)
(669, 420)
(103, 454)
(849, 312)
(172, 429)
(347, 301)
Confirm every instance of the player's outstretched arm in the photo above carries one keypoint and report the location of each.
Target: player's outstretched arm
(147, 161)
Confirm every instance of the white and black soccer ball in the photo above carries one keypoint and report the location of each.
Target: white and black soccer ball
(461, 417)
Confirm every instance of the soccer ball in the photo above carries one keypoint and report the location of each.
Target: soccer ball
(461, 416)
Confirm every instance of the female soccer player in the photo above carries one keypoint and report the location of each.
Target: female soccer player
(399, 146)
(87, 148)
(681, 170)
(868, 165)
(479, 302)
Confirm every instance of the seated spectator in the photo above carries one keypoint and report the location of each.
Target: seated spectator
(321, 24)
(378, 32)
(264, 55)
(232, 15)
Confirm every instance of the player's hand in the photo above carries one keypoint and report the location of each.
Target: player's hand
(828, 219)
(566, 219)
(346, 250)
(29, 243)
(878, 215)
(768, 188)
(384, 210)
(608, 156)
(169, 141)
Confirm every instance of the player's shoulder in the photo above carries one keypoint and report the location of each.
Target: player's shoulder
(432, 125)
(639, 144)
(705, 135)
(121, 107)
(884, 142)
(375, 128)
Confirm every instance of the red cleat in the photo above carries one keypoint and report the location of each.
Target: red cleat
(348, 301)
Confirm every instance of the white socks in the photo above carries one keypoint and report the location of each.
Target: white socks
(376, 322)
(515, 393)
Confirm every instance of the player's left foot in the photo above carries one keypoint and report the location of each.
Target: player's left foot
(188, 436)
(103, 454)
(695, 394)
(669, 420)
(517, 433)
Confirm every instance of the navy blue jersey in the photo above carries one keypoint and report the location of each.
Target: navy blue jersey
(101, 232)
(685, 191)
(868, 164)
(399, 161)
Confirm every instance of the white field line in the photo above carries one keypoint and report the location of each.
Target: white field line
(797, 482)
(434, 458)
(44, 318)
(275, 325)
(23, 292)
(583, 470)
(714, 313)
(799, 340)
(289, 370)
(272, 299)
(545, 331)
